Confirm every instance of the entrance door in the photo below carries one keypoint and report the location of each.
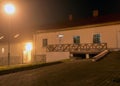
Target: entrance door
(27, 53)
(118, 39)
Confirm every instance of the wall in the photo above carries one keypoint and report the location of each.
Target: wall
(108, 35)
(56, 56)
(118, 37)
(15, 53)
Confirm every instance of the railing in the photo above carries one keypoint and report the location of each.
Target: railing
(83, 47)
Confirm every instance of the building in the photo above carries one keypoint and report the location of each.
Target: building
(90, 36)
(15, 50)
(56, 43)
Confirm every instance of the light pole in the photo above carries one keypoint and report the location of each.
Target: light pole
(10, 10)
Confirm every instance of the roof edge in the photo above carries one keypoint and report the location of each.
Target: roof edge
(80, 27)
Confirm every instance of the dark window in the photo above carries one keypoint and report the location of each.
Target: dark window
(45, 42)
(96, 38)
(76, 39)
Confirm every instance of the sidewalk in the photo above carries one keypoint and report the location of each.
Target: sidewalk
(22, 67)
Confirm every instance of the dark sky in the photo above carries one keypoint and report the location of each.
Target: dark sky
(45, 12)
(33, 14)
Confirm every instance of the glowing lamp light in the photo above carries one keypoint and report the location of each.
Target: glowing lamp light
(16, 36)
(28, 52)
(3, 50)
(9, 8)
(1, 37)
(60, 35)
(28, 46)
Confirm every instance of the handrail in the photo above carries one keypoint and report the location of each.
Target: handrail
(76, 47)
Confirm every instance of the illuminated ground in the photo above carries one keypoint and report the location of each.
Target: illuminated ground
(70, 73)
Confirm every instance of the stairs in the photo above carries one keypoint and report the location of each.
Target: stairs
(100, 55)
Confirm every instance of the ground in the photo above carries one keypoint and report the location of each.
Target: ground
(105, 72)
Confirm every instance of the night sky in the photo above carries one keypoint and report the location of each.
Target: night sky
(46, 12)
(33, 14)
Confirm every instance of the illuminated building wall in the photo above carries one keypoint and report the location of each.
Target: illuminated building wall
(109, 33)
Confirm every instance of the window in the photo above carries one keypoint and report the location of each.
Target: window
(45, 42)
(76, 39)
(96, 38)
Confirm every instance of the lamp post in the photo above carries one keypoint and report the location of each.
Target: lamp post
(10, 10)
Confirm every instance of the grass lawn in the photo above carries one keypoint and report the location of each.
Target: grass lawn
(105, 72)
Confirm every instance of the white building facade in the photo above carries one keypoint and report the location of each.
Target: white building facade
(99, 33)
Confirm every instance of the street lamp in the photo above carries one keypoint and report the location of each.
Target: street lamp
(10, 10)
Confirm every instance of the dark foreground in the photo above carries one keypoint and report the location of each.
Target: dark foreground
(105, 72)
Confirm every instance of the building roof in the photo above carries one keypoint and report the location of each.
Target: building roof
(87, 22)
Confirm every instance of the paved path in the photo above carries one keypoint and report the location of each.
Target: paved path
(73, 73)
(31, 77)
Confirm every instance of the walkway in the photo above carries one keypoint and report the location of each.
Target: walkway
(70, 73)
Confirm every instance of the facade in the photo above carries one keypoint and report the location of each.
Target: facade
(58, 44)
(15, 53)
(108, 33)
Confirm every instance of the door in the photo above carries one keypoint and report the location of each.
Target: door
(27, 53)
